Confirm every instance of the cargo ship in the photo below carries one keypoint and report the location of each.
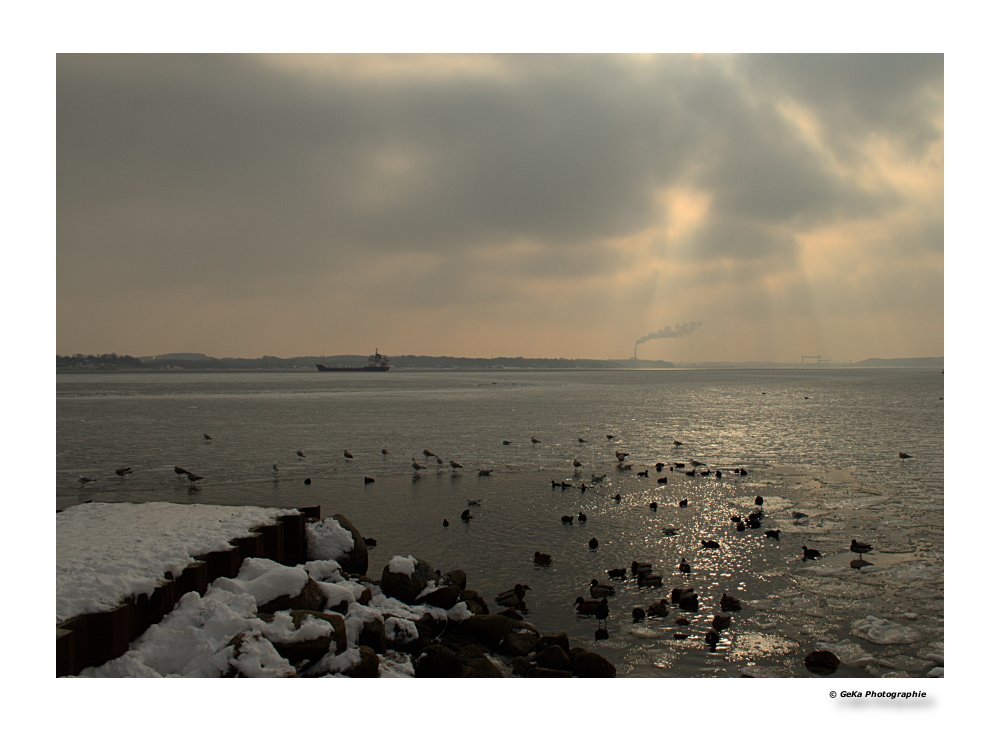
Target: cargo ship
(376, 362)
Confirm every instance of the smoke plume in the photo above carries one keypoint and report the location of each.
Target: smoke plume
(677, 331)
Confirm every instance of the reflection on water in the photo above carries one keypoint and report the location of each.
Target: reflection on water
(843, 442)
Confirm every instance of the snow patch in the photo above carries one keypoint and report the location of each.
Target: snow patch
(883, 632)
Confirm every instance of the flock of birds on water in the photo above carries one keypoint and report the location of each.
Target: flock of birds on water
(643, 573)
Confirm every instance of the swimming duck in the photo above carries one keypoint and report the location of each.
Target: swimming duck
(599, 590)
(581, 516)
(647, 579)
(300, 453)
(903, 456)
(658, 609)
(455, 465)
(810, 553)
(206, 436)
(308, 481)
(592, 543)
(589, 607)
(638, 615)
(663, 480)
(653, 505)
(543, 560)
(122, 472)
(773, 534)
(683, 502)
(709, 544)
(638, 567)
(445, 523)
(712, 638)
(759, 500)
(617, 573)
(730, 604)
(466, 515)
(484, 473)
(369, 479)
(567, 519)
(513, 597)
(721, 622)
(348, 455)
(684, 567)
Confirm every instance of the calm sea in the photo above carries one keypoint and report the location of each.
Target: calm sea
(819, 442)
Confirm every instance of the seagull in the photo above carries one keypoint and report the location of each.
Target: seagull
(418, 466)
(810, 553)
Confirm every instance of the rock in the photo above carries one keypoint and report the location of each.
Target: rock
(443, 597)
(474, 601)
(490, 630)
(554, 639)
(554, 657)
(406, 587)
(455, 578)
(357, 559)
(521, 641)
(311, 597)
(315, 649)
(822, 662)
(475, 664)
(368, 667)
(373, 635)
(429, 628)
(587, 664)
(437, 662)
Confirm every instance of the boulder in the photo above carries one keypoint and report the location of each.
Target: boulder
(355, 561)
(367, 668)
(490, 630)
(314, 649)
(823, 663)
(437, 662)
(311, 597)
(554, 657)
(455, 578)
(443, 597)
(475, 664)
(521, 641)
(373, 635)
(474, 601)
(587, 664)
(406, 587)
(554, 639)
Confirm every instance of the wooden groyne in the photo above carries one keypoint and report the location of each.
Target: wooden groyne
(96, 638)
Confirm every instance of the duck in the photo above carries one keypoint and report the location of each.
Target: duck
(773, 534)
(670, 531)
(593, 543)
(369, 541)
(582, 517)
(513, 597)
(601, 613)
(653, 506)
(709, 544)
(369, 479)
(193, 478)
(721, 622)
(712, 638)
(638, 615)
(428, 453)
(300, 453)
(445, 523)
(730, 604)
(385, 451)
(466, 515)
(567, 519)
(759, 500)
(617, 573)
(543, 560)
(599, 590)
(122, 472)
(589, 607)
(904, 456)
(683, 503)
(684, 567)
(810, 553)
(640, 567)
(179, 470)
(662, 481)
(658, 609)
(643, 473)
(859, 548)
(577, 463)
(348, 455)
(308, 481)
(485, 473)
(535, 441)
(454, 464)
(649, 580)
(660, 466)
(417, 466)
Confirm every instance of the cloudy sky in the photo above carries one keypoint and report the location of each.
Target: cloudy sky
(750, 207)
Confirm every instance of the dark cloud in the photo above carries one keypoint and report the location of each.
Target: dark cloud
(245, 174)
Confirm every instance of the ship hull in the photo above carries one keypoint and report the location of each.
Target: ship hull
(321, 367)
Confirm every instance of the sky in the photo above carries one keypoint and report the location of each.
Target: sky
(752, 207)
